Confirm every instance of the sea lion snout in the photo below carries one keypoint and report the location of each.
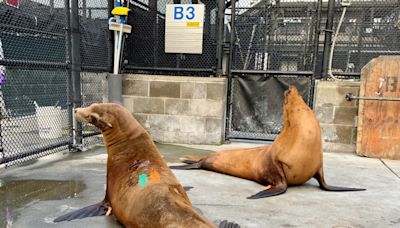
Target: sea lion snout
(89, 116)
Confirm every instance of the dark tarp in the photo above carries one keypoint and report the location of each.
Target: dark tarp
(257, 103)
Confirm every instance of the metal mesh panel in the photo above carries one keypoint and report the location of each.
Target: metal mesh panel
(34, 121)
(369, 29)
(33, 97)
(144, 47)
(95, 44)
(94, 90)
(274, 35)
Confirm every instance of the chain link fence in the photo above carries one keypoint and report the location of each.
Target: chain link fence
(36, 91)
(144, 50)
(369, 29)
(273, 35)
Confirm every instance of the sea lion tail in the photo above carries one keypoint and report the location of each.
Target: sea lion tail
(227, 224)
(89, 211)
(324, 186)
(191, 165)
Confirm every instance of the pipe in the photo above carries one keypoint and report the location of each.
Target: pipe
(76, 66)
(230, 75)
(350, 97)
(334, 42)
(220, 37)
(328, 37)
(69, 75)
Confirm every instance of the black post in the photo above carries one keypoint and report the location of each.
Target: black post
(76, 66)
(220, 36)
(328, 37)
(68, 45)
(230, 76)
(317, 33)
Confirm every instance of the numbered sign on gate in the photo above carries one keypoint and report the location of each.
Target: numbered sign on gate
(184, 28)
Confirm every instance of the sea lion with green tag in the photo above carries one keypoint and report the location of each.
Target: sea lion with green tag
(141, 189)
(293, 158)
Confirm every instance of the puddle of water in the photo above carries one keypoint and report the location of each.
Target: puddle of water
(15, 194)
(172, 153)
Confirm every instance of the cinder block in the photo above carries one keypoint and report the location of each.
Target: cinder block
(345, 115)
(337, 133)
(163, 123)
(177, 106)
(208, 108)
(127, 102)
(164, 89)
(187, 90)
(216, 91)
(192, 124)
(197, 138)
(157, 136)
(135, 87)
(339, 147)
(214, 138)
(200, 91)
(142, 119)
(214, 125)
(324, 114)
(335, 96)
(176, 137)
(148, 105)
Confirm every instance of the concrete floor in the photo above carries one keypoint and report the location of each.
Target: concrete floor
(34, 194)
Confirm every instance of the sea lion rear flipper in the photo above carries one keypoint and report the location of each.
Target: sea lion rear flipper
(320, 178)
(227, 224)
(97, 209)
(196, 165)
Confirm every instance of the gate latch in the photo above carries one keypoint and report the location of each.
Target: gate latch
(350, 97)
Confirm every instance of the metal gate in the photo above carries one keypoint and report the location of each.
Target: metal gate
(272, 47)
(49, 51)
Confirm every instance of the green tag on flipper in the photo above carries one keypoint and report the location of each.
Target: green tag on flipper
(142, 180)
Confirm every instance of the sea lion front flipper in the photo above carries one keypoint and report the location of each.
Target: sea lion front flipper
(270, 191)
(320, 178)
(97, 209)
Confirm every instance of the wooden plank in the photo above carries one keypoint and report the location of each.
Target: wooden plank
(378, 132)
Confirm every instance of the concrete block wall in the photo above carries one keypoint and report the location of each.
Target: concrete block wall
(336, 115)
(177, 109)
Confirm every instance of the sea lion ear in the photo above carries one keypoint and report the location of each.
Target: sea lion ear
(99, 121)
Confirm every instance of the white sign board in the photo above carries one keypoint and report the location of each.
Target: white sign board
(184, 28)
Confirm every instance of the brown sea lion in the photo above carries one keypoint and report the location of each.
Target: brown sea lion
(293, 158)
(141, 189)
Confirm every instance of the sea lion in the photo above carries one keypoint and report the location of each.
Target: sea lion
(293, 158)
(141, 189)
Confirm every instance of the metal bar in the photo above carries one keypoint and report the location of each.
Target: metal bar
(76, 66)
(230, 73)
(317, 32)
(328, 37)
(275, 72)
(220, 37)
(32, 63)
(96, 68)
(90, 134)
(35, 32)
(128, 67)
(350, 97)
(68, 53)
(18, 156)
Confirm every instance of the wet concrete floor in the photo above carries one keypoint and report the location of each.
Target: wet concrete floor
(34, 194)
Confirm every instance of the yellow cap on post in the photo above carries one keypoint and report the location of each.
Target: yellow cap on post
(120, 11)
